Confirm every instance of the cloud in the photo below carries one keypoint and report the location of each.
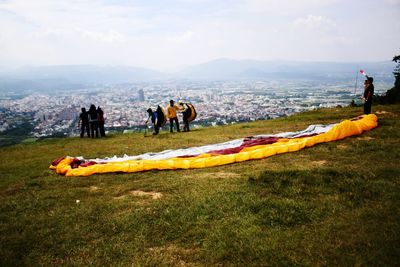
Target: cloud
(180, 32)
(285, 6)
(110, 36)
(338, 40)
(182, 38)
(312, 22)
(90, 14)
(65, 34)
(393, 2)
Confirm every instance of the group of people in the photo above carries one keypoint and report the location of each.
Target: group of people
(91, 122)
(158, 117)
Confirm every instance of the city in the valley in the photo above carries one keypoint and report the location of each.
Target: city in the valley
(56, 113)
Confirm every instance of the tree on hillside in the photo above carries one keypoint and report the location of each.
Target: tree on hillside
(392, 95)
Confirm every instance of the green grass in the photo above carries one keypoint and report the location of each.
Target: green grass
(335, 204)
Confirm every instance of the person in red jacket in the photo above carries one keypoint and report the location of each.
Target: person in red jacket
(101, 121)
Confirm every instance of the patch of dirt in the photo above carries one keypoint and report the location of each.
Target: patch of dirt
(342, 146)
(13, 189)
(139, 193)
(366, 138)
(382, 112)
(319, 162)
(94, 189)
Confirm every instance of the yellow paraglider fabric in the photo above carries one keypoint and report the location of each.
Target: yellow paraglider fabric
(283, 145)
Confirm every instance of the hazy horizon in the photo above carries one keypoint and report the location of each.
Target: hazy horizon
(5, 68)
(171, 35)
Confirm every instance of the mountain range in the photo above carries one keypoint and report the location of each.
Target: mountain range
(78, 76)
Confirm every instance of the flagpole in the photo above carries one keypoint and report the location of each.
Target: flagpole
(355, 86)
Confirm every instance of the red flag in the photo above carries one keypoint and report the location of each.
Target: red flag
(363, 72)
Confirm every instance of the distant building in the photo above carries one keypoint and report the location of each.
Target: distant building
(141, 95)
(42, 116)
(68, 114)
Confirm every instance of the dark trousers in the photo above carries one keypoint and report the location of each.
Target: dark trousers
(85, 128)
(101, 129)
(171, 124)
(156, 129)
(185, 125)
(94, 128)
(367, 107)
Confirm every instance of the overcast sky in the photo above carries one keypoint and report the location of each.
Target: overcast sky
(166, 35)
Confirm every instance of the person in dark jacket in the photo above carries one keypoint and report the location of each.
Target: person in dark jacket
(101, 120)
(93, 120)
(154, 119)
(83, 123)
(368, 93)
(186, 112)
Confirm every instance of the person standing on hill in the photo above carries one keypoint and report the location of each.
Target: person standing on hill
(83, 123)
(186, 112)
(368, 93)
(100, 114)
(171, 113)
(93, 120)
(154, 119)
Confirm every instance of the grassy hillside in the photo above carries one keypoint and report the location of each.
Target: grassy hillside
(334, 204)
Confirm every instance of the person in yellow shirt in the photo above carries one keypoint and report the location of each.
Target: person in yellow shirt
(171, 112)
